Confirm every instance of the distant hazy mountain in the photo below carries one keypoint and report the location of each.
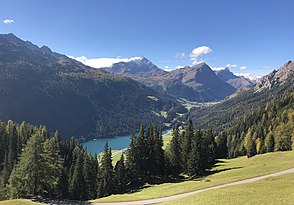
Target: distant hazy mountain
(196, 83)
(43, 87)
(236, 81)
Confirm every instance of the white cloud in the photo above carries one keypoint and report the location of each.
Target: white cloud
(168, 68)
(8, 21)
(218, 68)
(197, 52)
(250, 76)
(179, 66)
(242, 68)
(103, 62)
(181, 55)
(231, 65)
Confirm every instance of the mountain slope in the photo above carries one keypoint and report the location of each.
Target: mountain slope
(196, 83)
(236, 81)
(43, 87)
(246, 100)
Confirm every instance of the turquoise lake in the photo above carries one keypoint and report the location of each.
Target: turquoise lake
(115, 143)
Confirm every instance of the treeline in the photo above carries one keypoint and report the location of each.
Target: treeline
(35, 163)
(266, 129)
(191, 153)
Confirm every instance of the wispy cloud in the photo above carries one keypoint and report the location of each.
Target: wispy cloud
(197, 52)
(179, 66)
(218, 68)
(103, 62)
(242, 68)
(250, 76)
(8, 21)
(266, 67)
(231, 66)
(181, 55)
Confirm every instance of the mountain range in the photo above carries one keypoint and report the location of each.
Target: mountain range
(43, 87)
(243, 102)
(194, 83)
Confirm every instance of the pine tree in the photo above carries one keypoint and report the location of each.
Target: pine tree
(159, 158)
(141, 153)
(90, 176)
(270, 142)
(54, 165)
(106, 174)
(76, 185)
(150, 157)
(29, 176)
(11, 154)
(132, 160)
(120, 176)
(174, 154)
(209, 148)
(196, 161)
(250, 144)
(221, 144)
(186, 145)
(2, 189)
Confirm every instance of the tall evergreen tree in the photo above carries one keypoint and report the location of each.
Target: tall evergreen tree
(141, 147)
(120, 176)
(159, 159)
(250, 144)
(76, 185)
(174, 154)
(132, 160)
(54, 165)
(270, 142)
(29, 176)
(221, 143)
(90, 168)
(186, 145)
(196, 163)
(106, 174)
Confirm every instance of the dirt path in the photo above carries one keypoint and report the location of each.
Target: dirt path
(169, 198)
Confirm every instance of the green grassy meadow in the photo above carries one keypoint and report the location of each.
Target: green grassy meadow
(271, 191)
(225, 171)
(18, 202)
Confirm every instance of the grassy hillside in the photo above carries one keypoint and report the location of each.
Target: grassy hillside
(271, 191)
(224, 172)
(18, 202)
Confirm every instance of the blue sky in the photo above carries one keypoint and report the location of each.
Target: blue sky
(253, 36)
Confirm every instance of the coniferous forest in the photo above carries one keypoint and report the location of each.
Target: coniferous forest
(37, 164)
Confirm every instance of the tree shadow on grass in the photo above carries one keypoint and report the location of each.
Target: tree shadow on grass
(59, 202)
(149, 182)
(146, 183)
(210, 172)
